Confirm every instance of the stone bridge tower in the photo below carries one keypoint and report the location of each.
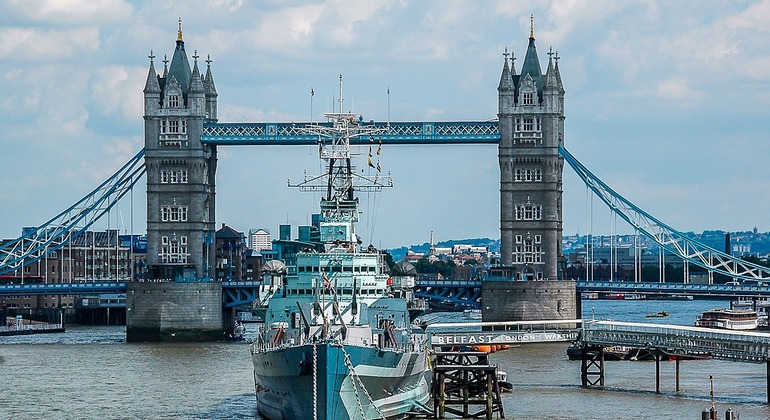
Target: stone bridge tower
(180, 170)
(531, 115)
(179, 304)
(531, 128)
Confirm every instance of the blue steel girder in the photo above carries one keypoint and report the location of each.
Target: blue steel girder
(62, 288)
(452, 132)
(466, 295)
(37, 242)
(670, 239)
(238, 293)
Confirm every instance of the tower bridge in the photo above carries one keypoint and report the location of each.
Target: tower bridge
(179, 162)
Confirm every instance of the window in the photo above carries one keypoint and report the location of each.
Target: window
(528, 212)
(173, 213)
(518, 175)
(178, 176)
(538, 239)
(173, 126)
(529, 124)
(173, 250)
(518, 239)
(528, 98)
(173, 100)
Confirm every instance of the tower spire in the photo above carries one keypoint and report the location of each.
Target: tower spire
(531, 27)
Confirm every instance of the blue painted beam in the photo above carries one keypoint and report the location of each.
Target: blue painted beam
(62, 288)
(283, 134)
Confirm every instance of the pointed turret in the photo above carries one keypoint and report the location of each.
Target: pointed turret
(211, 92)
(196, 98)
(506, 90)
(531, 64)
(196, 81)
(550, 73)
(152, 85)
(180, 67)
(151, 89)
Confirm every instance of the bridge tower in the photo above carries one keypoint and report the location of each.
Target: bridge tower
(180, 169)
(178, 303)
(531, 124)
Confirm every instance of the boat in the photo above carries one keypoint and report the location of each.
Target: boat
(660, 314)
(502, 381)
(730, 319)
(337, 344)
(473, 314)
(759, 304)
(612, 353)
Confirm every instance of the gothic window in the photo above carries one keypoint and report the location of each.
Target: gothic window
(518, 124)
(537, 121)
(173, 250)
(173, 213)
(538, 239)
(529, 212)
(173, 100)
(173, 126)
(518, 175)
(528, 124)
(538, 175)
(178, 176)
(518, 239)
(528, 98)
(529, 175)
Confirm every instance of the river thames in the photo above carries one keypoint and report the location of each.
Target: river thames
(91, 372)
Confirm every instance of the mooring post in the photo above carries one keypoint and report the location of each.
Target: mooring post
(677, 373)
(657, 372)
(767, 373)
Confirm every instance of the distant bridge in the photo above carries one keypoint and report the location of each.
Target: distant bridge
(467, 293)
(234, 293)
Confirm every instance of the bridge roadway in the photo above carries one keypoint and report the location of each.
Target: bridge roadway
(464, 293)
(234, 293)
(467, 293)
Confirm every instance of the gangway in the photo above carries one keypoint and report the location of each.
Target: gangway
(667, 340)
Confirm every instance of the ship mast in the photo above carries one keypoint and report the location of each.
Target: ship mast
(339, 205)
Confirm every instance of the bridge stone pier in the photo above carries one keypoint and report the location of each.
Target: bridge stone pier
(171, 311)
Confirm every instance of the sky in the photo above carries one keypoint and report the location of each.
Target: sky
(666, 102)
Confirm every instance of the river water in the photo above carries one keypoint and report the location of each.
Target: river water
(92, 373)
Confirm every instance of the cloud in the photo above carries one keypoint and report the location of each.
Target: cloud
(115, 90)
(39, 45)
(69, 12)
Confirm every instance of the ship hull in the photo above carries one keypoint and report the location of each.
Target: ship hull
(284, 379)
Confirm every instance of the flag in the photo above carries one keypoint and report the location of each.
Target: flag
(327, 283)
(370, 162)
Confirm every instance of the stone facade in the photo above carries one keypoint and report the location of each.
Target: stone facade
(171, 311)
(531, 124)
(529, 300)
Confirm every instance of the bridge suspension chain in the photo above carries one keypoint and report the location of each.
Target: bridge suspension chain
(36, 243)
(672, 240)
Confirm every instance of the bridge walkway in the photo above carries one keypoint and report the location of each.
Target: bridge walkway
(666, 340)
